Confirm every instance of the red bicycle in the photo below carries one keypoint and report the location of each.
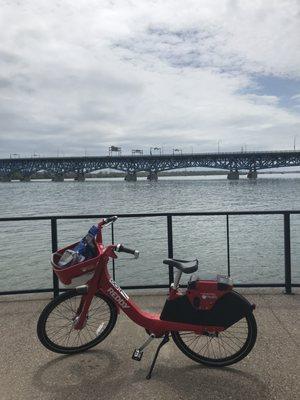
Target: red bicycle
(209, 321)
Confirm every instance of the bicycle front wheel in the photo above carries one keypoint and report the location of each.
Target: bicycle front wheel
(220, 349)
(55, 327)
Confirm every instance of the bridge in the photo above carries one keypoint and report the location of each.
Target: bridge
(58, 167)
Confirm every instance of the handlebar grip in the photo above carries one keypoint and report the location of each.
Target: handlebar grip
(110, 219)
(122, 249)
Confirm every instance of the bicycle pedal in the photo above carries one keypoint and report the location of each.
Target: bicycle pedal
(137, 355)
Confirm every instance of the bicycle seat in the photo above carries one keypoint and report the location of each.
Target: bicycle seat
(172, 262)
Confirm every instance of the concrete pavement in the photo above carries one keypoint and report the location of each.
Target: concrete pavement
(30, 372)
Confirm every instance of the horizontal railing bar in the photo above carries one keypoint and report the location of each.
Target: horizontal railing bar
(250, 285)
(241, 285)
(27, 291)
(147, 215)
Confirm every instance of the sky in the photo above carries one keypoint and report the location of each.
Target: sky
(198, 75)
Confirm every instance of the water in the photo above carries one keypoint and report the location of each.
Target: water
(256, 251)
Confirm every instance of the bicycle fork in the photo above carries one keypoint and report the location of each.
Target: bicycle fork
(138, 353)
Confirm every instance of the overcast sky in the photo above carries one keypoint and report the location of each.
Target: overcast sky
(79, 76)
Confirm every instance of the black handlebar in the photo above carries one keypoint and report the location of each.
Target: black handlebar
(122, 249)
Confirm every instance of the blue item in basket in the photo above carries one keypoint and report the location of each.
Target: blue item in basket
(86, 246)
(93, 230)
(80, 248)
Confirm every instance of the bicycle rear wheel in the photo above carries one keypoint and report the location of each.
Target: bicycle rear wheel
(220, 349)
(55, 327)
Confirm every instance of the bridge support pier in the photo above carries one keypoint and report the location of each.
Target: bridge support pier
(131, 176)
(152, 176)
(252, 175)
(233, 175)
(80, 177)
(58, 177)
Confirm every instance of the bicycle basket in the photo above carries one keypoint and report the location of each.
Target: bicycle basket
(76, 274)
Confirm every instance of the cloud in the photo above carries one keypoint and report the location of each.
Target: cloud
(78, 76)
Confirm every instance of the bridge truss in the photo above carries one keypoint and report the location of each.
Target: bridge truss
(131, 164)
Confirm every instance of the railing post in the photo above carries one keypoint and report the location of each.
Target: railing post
(54, 249)
(170, 247)
(228, 244)
(287, 254)
(113, 242)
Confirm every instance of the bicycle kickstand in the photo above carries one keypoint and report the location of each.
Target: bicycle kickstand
(162, 343)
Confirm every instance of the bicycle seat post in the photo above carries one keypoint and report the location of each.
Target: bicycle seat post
(175, 285)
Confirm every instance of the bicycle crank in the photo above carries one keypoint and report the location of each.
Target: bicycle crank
(138, 353)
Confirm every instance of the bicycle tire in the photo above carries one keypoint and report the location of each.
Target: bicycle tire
(225, 341)
(63, 309)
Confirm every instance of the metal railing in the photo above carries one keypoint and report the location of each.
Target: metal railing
(287, 284)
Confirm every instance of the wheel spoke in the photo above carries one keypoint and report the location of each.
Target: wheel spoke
(59, 325)
(214, 349)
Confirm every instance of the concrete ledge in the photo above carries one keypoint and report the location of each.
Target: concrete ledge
(28, 371)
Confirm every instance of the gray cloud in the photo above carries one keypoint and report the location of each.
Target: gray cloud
(78, 77)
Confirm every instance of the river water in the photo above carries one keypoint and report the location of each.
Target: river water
(256, 242)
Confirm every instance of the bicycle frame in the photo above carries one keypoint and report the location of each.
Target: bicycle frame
(103, 283)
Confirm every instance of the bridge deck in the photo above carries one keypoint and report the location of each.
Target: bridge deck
(30, 372)
(164, 155)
